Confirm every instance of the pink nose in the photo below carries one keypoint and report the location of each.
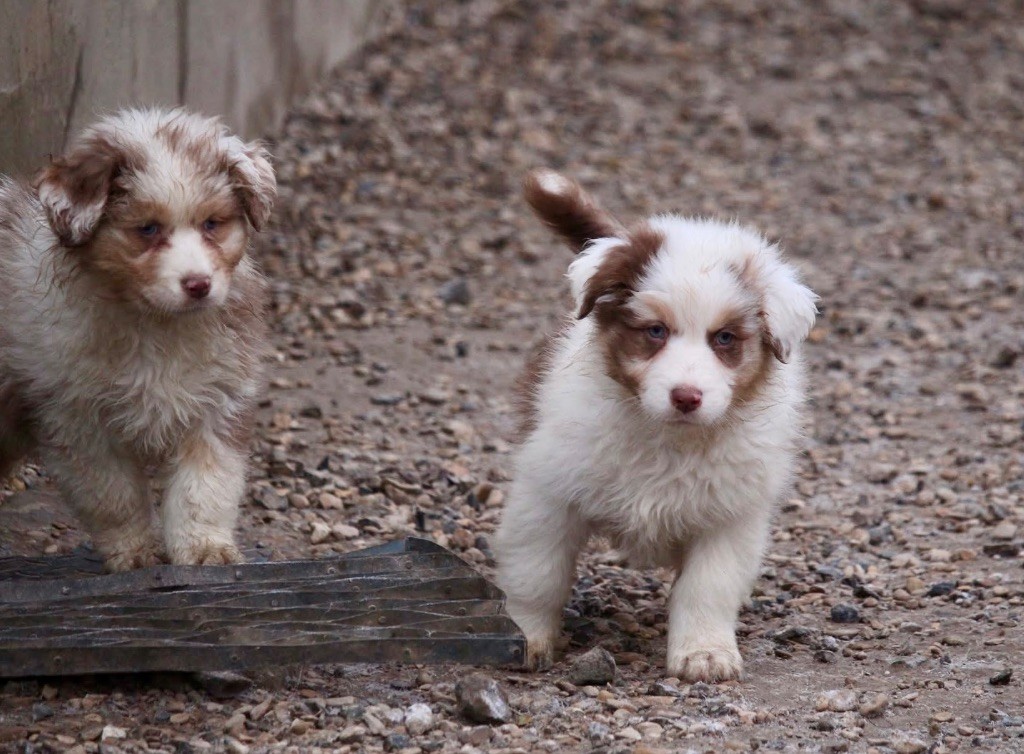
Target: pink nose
(196, 286)
(686, 399)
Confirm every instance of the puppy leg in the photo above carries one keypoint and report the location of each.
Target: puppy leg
(537, 545)
(110, 494)
(715, 578)
(200, 507)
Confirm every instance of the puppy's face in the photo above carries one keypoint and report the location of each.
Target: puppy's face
(690, 316)
(159, 206)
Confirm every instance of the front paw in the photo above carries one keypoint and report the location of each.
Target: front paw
(540, 653)
(209, 552)
(707, 664)
(121, 559)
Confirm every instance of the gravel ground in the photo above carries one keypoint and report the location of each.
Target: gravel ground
(879, 141)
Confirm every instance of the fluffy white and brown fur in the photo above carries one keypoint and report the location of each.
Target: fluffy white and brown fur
(665, 417)
(131, 330)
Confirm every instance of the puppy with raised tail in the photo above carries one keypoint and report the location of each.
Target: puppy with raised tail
(131, 330)
(664, 417)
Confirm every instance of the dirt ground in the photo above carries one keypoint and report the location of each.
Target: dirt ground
(880, 142)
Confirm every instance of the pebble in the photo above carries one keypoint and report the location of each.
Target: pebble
(456, 292)
(480, 699)
(419, 719)
(222, 684)
(874, 705)
(1002, 678)
(836, 700)
(41, 711)
(844, 614)
(112, 732)
(1005, 530)
(321, 532)
(593, 668)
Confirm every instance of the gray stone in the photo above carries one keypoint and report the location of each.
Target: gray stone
(592, 668)
(481, 700)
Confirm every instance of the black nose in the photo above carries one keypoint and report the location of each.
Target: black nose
(196, 286)
(686, 399)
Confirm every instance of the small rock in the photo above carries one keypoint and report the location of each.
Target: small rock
(481, 700)
(1002, 678)
(592, 668)
(321, 533)
(941, 588)
(270, 499)
(352, 734)
(874, 705)
(837, 700)
(456, 291)
(397, 742)
(112, 731)
(41, 711)
(597, 731)
(1006, 530)
(419, 719)
(909, 745)
(345, 531)
(630, 734)
(844, 614)
(222, 685)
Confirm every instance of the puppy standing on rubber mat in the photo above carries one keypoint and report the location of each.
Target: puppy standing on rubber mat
(664, 417)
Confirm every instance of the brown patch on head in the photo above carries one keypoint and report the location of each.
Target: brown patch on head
(626, 345)
(733, 334)
(756, 368)
(74, 189)
(621, 269)
(219, 220)
(746, 353)
(622, 334)
(567, 209)
(749, 276)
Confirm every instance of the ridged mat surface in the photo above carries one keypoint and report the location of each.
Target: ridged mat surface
(409, 601)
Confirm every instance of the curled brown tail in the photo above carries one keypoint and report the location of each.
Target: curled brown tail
(567, 209)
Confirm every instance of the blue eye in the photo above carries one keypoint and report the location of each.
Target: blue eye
(657, 332)
(724, 338)
(210, 224)
(149, 230)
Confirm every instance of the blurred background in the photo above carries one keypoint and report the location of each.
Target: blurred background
(62, 61)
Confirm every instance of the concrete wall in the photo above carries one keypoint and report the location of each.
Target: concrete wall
(64, 61)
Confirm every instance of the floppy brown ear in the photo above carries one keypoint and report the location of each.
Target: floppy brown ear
(253, 179)
(74, 188)
(567, 209)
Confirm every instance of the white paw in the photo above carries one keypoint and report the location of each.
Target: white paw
(206, 552)
(540, 653)
(707, 664)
